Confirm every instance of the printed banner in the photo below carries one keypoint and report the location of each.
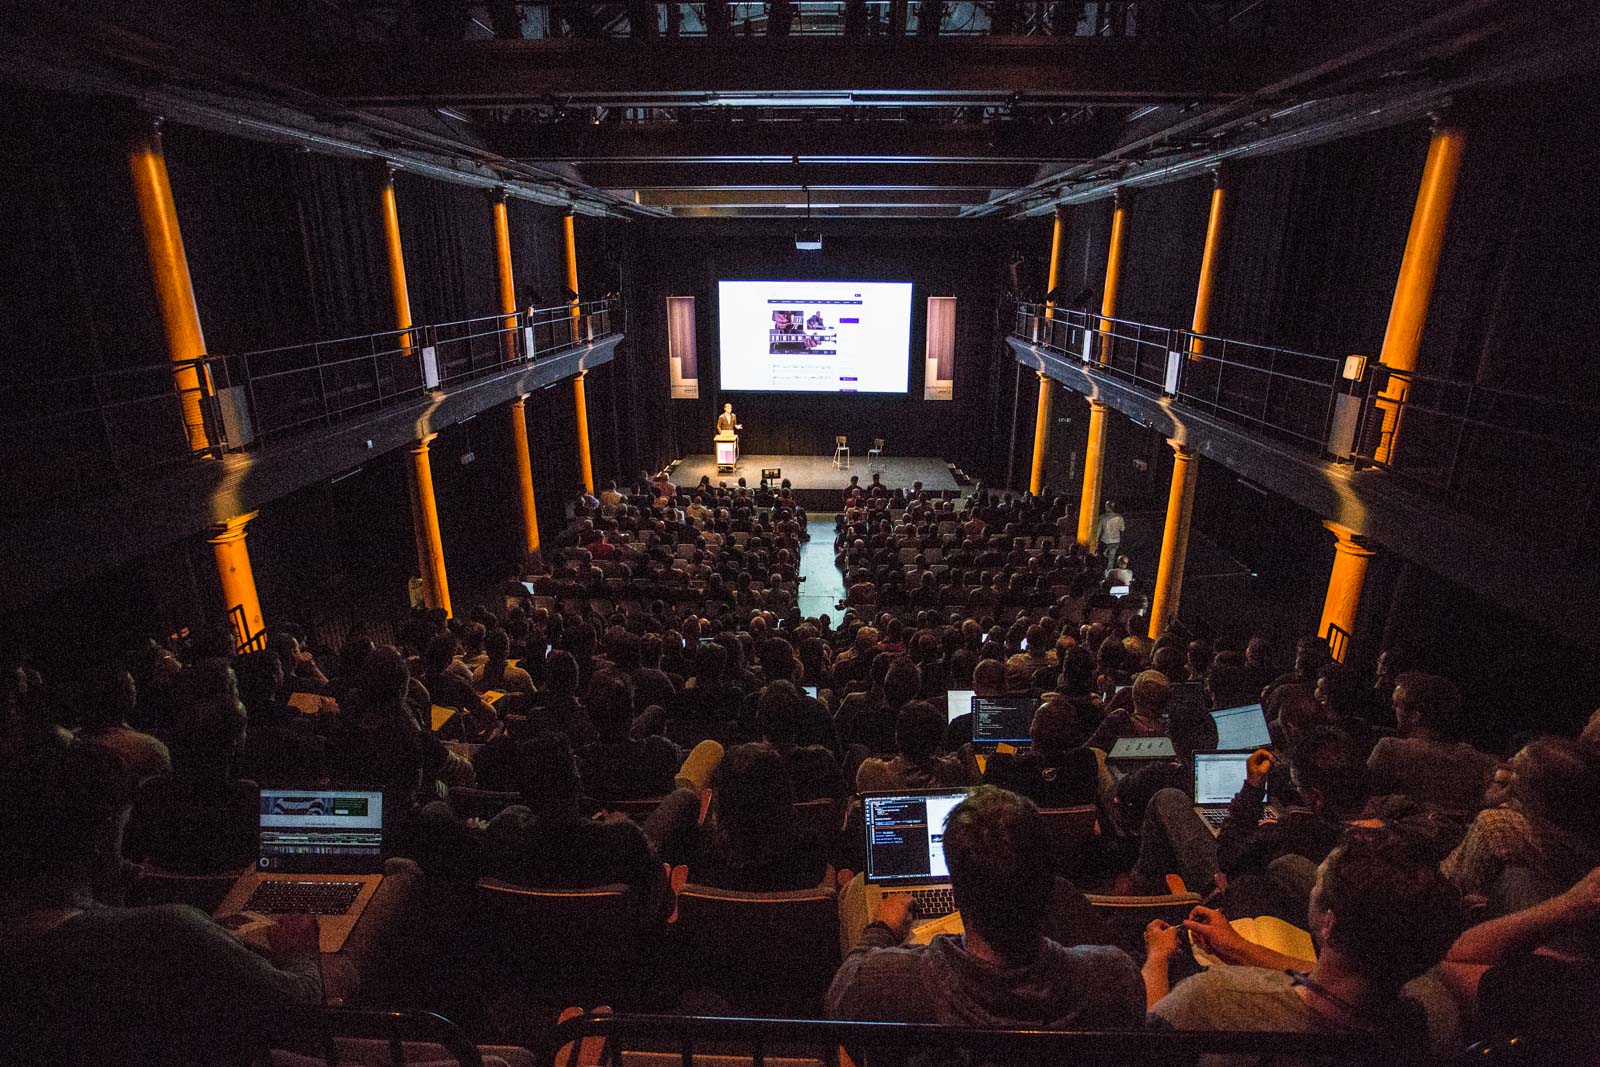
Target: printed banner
(939, 375)
(681, 352)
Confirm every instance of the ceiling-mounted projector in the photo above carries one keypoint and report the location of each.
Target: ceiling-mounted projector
(808, 240)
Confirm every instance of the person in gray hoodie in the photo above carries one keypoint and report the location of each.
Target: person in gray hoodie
(1003, 971)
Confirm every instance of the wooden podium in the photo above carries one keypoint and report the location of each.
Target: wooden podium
(726, 445)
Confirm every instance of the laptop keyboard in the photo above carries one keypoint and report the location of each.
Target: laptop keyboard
(318, 898)
(932, 903)
(1214, 817)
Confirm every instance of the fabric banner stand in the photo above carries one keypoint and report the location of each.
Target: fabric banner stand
(938, 381)
(681, 352)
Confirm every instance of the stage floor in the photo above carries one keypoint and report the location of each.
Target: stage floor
(817, 472)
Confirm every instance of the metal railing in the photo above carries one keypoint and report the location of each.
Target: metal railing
(78, 435)
(1338, 642)
(821, 1041)
(1468, 444)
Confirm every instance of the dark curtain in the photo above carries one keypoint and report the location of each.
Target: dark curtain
(537, 253)
(341, 228)
(448, 236)
(1161, 255)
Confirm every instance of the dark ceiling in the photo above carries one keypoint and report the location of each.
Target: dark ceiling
(887, 108)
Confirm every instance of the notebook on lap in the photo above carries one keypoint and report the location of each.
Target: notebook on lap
(905, 848)
(1217, 777)
(1242, 729)
(321, 851)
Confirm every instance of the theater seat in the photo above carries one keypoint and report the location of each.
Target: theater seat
(481, 803)
(1071, 828)
(153, 885)
(314, 1037)
(764, 953)
(578, 944)
(1128, 916)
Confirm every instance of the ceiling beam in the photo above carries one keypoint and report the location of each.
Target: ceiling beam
(801, 71)
(887, 211)
(780, 142)
(821, 199)
(790, 176)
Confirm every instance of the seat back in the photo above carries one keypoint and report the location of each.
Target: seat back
(481, 803)
(567, 942)
(636, 810)
(877, 444)
(824, 815)
(1128, 916)
(840, 440)
(153, 886)
(1071, 828)
(765, 953)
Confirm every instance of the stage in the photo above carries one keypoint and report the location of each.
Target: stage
(817, 484)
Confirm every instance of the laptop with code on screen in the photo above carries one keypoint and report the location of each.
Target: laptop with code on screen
(321, 851)
(905, 848)
(1242, 729)
(1002, 721)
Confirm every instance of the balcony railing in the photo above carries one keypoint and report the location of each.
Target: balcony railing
(82, 434)
(1470, 445)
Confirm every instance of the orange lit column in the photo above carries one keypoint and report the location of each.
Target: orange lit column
(1041, 425)
(238, 581)
(425, 524)
(1174, 539)
(508, 285)
(169, 269)
(397, 260)
(1093, 472)
(1408, 313)
(1208, 265)
(1108, 299)
(1351, 554)
(571, 243)
(583, 431)
(1041, 436)
(530, 512)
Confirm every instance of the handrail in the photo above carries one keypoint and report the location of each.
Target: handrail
(1435, 433)
(249, 398)
(683, 1033)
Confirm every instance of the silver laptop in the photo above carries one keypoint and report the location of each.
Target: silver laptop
(1217, 777)
(905, 848)
(1241, 729)
(1136, 748)
(957, 702)
(321, 852)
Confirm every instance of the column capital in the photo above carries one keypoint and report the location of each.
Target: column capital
(499, 194)
(230, 529)
(1098, 405)
(1348, 541)
(1181, 448)
(1043, 377)
(421, 444)
(522, 398)
(1062, 211)
(1218, 175)
(389, 169)
(1121, 197)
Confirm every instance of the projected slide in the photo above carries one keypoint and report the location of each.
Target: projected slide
(815, 337)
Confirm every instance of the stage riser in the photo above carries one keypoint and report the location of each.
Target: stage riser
(818, 484)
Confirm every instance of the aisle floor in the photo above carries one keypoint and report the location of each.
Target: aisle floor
(824, 585)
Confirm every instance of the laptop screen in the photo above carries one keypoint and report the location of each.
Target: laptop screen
(957, 702)
(1006, 719)
(321, 831)
(1218, 776)
(1241, 728)
(905, 836)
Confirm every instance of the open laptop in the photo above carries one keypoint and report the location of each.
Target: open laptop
(1217, 777)
(1241, 729)
(905, 848)
(957, 702)
(322, 852)
(1002, 721)
(1138, 748)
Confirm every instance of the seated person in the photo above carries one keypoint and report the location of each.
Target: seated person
(1380, 916)
(813, 770)
(1191, 730)
(442, 675)
(1003, 971)
(1332, 784)
(546, 842)
(918, 729)
(201, 818)
(1150, 692)
(496, 673)
(1057, 772)
(1428, 761)
(988, 680)
(619, 766)
(104, 724)
(90, 984)
(1550, 825)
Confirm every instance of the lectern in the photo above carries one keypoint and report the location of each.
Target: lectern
(727, 448)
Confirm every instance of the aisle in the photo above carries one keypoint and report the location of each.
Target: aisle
(824, 585)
